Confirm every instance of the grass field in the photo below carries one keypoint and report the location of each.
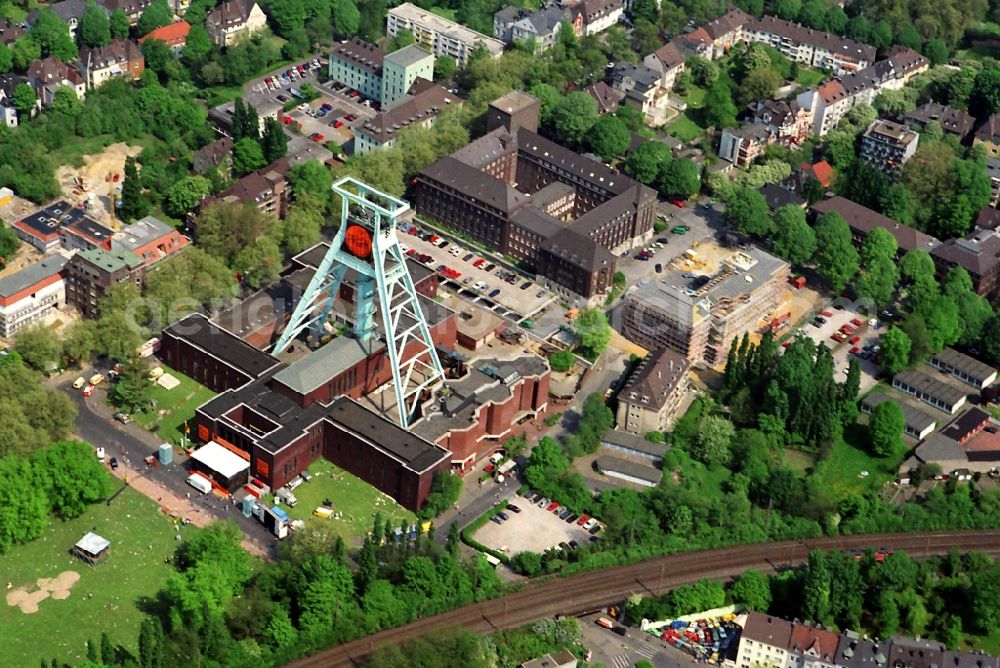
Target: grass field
(809, 77)
(839, 475)
(695, 97)
(684, 128)
(798, 461)
(177, 406)
(989, 644)
(106, 598)
(356, 500)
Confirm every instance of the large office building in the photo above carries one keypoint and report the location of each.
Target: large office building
(31, 294)
(563, 218)
(420, 107)
(439, 35)
(701, 319)
(383, 78)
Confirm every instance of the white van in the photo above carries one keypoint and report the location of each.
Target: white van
(200, 483)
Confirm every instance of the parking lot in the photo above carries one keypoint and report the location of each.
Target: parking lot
(480, 280)
(534, 529)
(854, 331)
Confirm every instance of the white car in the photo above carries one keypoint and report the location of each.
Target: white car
(456, 251)
(303, 106)
(480, 285)
(100, 454)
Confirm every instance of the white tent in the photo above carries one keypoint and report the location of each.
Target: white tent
(217, 458)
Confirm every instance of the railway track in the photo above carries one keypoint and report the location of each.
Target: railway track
(595, 589)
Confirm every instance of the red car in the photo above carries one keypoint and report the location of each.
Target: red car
(786, 344)
(855, 350)
(582, 520)
(287, 120)
(856, 322)
(350, 117)
(300, 69)
(847, 329)
(552, 506)
(89, 390)
(338, 124)
(678, 203)
(411, 252)
(827, 313)
(855, 339)
(479, 263)
(838, 337)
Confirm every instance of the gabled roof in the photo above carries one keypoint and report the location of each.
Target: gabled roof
(578, 249)
(174, 34)
(118, 52)
(841, 46)
(471, 182)
(130, 7)
(65, 10)
(768, 629)
(52, 70)
(862, 219)
(607, 98)
(231, 13)
(727, 23)
(814, 641)
(414, 109)
(821, 171)
(656, 377)
(990, 130)
(360, 53)
(669, 55)
(831, 92)
(978, 253)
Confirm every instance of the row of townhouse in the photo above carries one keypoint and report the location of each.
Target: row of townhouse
(587, 17)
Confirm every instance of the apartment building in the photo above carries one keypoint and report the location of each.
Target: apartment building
(668, 61)
(150, 239)
(358, 65)
(653, 392)
(815, 48)
(419, 108)
(643, 89)
(887, 146)
(701, 318)
(599, 15)
(31, 294)
(439, 35)
(401, 69)
(513, 24)
(267, 189)
(863, 220)
(979, 254)
(742, 145)
(767, 122)
(952, 121)
(90, 274)
(49, 74)
(988, 136)
(234, 20)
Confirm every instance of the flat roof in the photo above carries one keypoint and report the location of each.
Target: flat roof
(199, 331)
(914, 418)
(933, 387)
(50, 219)
(111, 261)
(31, 274)
(312, 371)
(221, 460)
(413, 14)
(88, 227)
(141, 232)
(409, 55)
(414, 452)
(962, 362)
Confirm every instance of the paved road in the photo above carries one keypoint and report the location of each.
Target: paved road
(95, 425)
(587, 592)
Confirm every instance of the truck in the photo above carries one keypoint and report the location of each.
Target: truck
(285, 495)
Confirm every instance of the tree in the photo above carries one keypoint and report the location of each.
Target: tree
(839, 149)
(260, 262)
(719, 110)
(759, 84)
(51, 34)
(132, 391)
(444, 68)
(712, 445)
(108, 654)
(836, 259)
(648, 161)
(985, 98)
(936, 51)
(885, 429)
(878, 281)
(80, 342)
(132, 204)
(315, 538)
(302, 228)
(119, 24)
(793, 239)
(226, 229)
(24, 99)
(39, 347)
(895, 351)
(746, 209)
(816, 588)
(94, 28)
(6, 59)
(681, 178)
(312, 177)
(274, 141)
(592, 327)
(575, 114)
(248, 156)
(446, 487)
(154, 16)
(752, 589)
(198, 44)
(608, 137)
(71, 476)
(184, 196)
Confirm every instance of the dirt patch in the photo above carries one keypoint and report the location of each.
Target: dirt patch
(58, 588)
(93, 185)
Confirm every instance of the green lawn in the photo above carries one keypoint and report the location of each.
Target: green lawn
(695, 97)
(72, 152)
(176, 406)
(798, 461)
(989, 644)
(356, 500)
(684, 128)
(809, 77)
(106, 598)
(839, 475)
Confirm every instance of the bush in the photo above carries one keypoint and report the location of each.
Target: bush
(562, 361)
(445, 490)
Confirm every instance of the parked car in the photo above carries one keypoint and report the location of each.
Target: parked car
(114, 463)
(504, 516)
(494, 293)
(678, 203)
(658, 267)
(79, 382)
(582, 520)
(496, 518)
(489, 267)
(100, 454)
(512, 508)
(122, 417)
(680, 229)
(468, 257)
(544, 502)
(88, 390)
(552, 506)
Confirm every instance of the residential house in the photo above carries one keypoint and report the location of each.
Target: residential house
(122, 57)
(10, 32)
(787, 121)
(828, 104)
(512, 24)
(953, 121)
(31, 294)
(267, 189)
(643, 89)
(768, 642)
(218, 154)
(988, 136)
(696, 42)
(133, 9)
(48, 74)
(988, 218)
(70, 11)
(652, 394)
(8, 112)
(993, 170)
(90, 274)
(607, 98)
(599, 15)
(233, 20)
(979, 254)
(173, 35)
(822, 171)
(726, 31)
(887, 146)
(419, 108)
(150, 239)
(668, 61)
(439, 35)
(863, 220)
(778, 196)
(742, 145)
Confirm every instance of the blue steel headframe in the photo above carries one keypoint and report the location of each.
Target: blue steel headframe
(383, 284)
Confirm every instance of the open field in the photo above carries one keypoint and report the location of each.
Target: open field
(355, 500)
(684, 128)
(809, 77)
(174, 406)
(106, 598)
(839, 475)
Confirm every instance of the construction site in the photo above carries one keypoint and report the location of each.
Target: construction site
(96, 185)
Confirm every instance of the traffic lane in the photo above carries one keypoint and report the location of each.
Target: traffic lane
(615, 650)
(102, 430)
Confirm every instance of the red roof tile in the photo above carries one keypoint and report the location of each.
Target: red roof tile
(174, 34)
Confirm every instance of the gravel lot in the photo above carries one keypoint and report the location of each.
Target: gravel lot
(533, 529)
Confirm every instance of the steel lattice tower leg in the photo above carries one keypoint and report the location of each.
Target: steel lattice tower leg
(367, 243)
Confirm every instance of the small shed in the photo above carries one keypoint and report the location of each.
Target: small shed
(92, 549)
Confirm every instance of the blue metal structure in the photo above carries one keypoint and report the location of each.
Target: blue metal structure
(367, 243)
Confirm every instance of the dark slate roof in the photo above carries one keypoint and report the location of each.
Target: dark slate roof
(978, 253)
(656, 377)
(471, 182)
(578, 249)
(955, 121)
(414, 109)
(606, 97)
(778, 197)
(864, 220)
(201, 332)
(990, 130)
(363, 54)
(817, 38)
(650, 474)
